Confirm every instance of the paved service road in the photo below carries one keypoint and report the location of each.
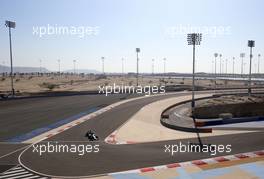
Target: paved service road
(113, 158)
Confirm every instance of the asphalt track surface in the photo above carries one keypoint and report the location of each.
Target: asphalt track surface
(21, 116)
(112, 158)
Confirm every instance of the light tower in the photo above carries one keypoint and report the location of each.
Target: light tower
(226, 61)
(215, 55)
(74, 67)
(220, 61)
(137, 51)
(164, 66)
(212, 70)
(103, 58)
(258, 62)
(153, 60)
(59, 66)
(233, 67)
(40, 69)
(251, 44)
(194, 39)
(10, 25)
(122, 65)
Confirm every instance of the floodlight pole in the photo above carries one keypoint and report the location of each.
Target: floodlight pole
(164, 65)
(194, 39)
(249, 78)
(251, 44)
(193, 82)
(242, 66)
(103, 65)
(153, 66)
(137, 69)
(74, 67)
(40, 66)
(220, 71)
(223, 67)
(10, 25)
(212, 70)
(123, 66)
(233, 67)
(226, 67)
(11, 62)
(215, 55)
(258, 62)
(164, 70)
(59, 66)
(137, 50)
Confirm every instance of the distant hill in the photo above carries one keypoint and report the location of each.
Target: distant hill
(4, 69)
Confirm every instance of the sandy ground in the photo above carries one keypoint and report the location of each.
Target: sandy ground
(232, 99)
(231, 105)
(145, 125)
(34, 83)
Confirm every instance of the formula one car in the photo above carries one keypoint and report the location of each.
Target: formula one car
(91, 136)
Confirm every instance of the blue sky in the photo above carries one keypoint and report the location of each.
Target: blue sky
(125, 25)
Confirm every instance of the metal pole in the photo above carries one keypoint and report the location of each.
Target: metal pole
(249, 78)
(122, 65)
(103, 66)
(223, 67)
(242, 66)
(164, 66)
(220, 65)
(215, 73)
(152, 66)
(193, 78)
(233, 67)
(11, 62)
(74, 61)
(40, 66)
(193, 100)
(164, 70)
(258, 62)
(212, 70)
(137, 68)
(59, 66)
(226, 67)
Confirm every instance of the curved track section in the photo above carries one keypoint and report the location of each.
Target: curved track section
(116, 158)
